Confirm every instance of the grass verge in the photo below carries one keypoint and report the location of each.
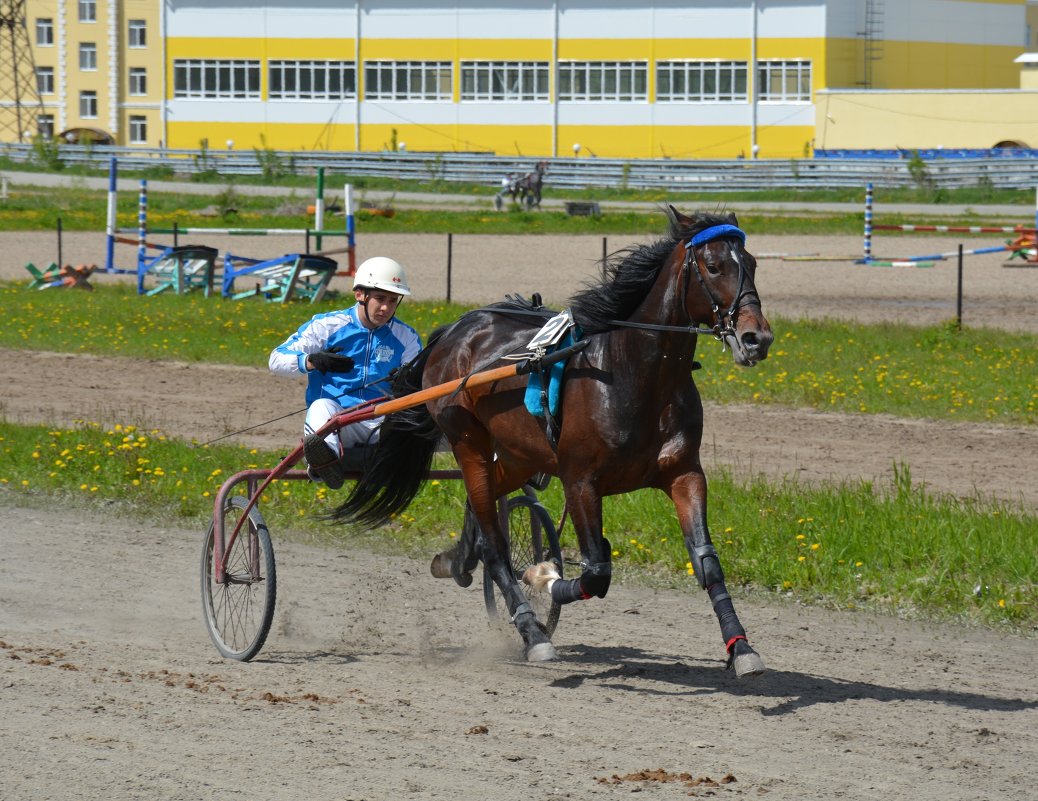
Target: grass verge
(80, 209)
(895, 549)
(936, 372)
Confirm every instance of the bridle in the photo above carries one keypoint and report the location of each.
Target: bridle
(724, 321)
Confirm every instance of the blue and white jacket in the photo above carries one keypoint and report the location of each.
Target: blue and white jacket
(374, 352)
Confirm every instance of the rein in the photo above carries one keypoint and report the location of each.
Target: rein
(724, 321)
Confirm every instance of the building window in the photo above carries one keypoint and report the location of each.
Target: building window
(45, 125)
(137, 33)
(237, 79)
(88, 56)
(44, 32)
(45, 80)
(408, 80)
(88, 10)
(623, 81)
(312, 80)
(701, 81)
(784, 81)
(138, 130)
(88, 105)
(504, 80)
(138, 83)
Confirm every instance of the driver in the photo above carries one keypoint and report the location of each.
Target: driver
(347, 357)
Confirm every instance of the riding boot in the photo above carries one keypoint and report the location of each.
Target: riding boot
(323, 461)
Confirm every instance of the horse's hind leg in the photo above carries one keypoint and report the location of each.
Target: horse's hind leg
(480, 484)
(689, 496)
(585, 510)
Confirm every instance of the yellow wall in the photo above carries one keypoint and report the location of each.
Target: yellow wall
(909, 120)
(926, 65)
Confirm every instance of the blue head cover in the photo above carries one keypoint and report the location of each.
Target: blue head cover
(716, 232)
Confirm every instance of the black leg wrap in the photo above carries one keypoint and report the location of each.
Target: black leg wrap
(523, 608)
(595, 579)
(566, 591)
(724, 609)
(707, 565)
(597, 575)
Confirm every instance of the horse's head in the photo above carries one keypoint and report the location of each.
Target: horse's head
(718, 283)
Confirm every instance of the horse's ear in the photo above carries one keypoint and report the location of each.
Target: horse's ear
(733, 219)
(677, 216)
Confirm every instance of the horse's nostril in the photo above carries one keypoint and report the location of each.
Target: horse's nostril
(750, 341)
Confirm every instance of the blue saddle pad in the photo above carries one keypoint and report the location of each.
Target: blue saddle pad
(534, 403)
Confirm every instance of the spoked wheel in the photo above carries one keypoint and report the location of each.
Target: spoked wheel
(238, 612)
(499, 202)
(531, 539)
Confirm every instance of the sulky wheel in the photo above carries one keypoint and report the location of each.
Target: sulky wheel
(239, 611)
(531, 539)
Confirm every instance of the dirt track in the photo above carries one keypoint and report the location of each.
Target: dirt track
(380, 682)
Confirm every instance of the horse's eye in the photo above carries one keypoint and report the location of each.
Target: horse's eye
(713, 267)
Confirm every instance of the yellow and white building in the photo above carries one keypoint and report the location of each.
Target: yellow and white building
(99, 66)
(618, 78)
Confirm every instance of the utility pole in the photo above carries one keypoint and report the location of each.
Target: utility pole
(20, 104)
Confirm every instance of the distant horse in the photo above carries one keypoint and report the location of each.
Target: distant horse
(528, 188)
(630, 414)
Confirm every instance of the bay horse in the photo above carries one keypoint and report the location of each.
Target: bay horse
(630, 414)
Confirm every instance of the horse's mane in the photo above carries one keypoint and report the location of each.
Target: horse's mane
(628, 274)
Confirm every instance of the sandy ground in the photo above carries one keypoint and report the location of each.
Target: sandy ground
(379, 682)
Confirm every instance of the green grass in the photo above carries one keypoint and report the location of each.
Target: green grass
(937, 372)
(893, 548)
(36, 208)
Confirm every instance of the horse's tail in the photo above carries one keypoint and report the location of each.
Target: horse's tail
(400, 463)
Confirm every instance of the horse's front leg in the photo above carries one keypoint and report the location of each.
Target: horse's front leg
(688, 492)
(480, 483)
(584, 505)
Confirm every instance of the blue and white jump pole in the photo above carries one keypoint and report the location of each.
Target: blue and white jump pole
(110, 218)
(351, 229)
(867, 257)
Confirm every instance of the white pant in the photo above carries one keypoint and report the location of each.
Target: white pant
(322, 410)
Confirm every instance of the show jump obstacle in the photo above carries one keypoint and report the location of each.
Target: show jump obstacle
(185, 268)
(1023, 244)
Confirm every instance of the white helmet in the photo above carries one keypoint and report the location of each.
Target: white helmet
(380, 272)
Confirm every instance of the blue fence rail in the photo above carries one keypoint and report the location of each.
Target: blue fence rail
(830, 169)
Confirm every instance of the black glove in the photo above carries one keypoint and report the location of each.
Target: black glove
(329, 361)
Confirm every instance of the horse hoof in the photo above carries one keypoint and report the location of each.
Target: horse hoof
(441, 566)
(463, 579)
(542, 652)
(748, 665)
